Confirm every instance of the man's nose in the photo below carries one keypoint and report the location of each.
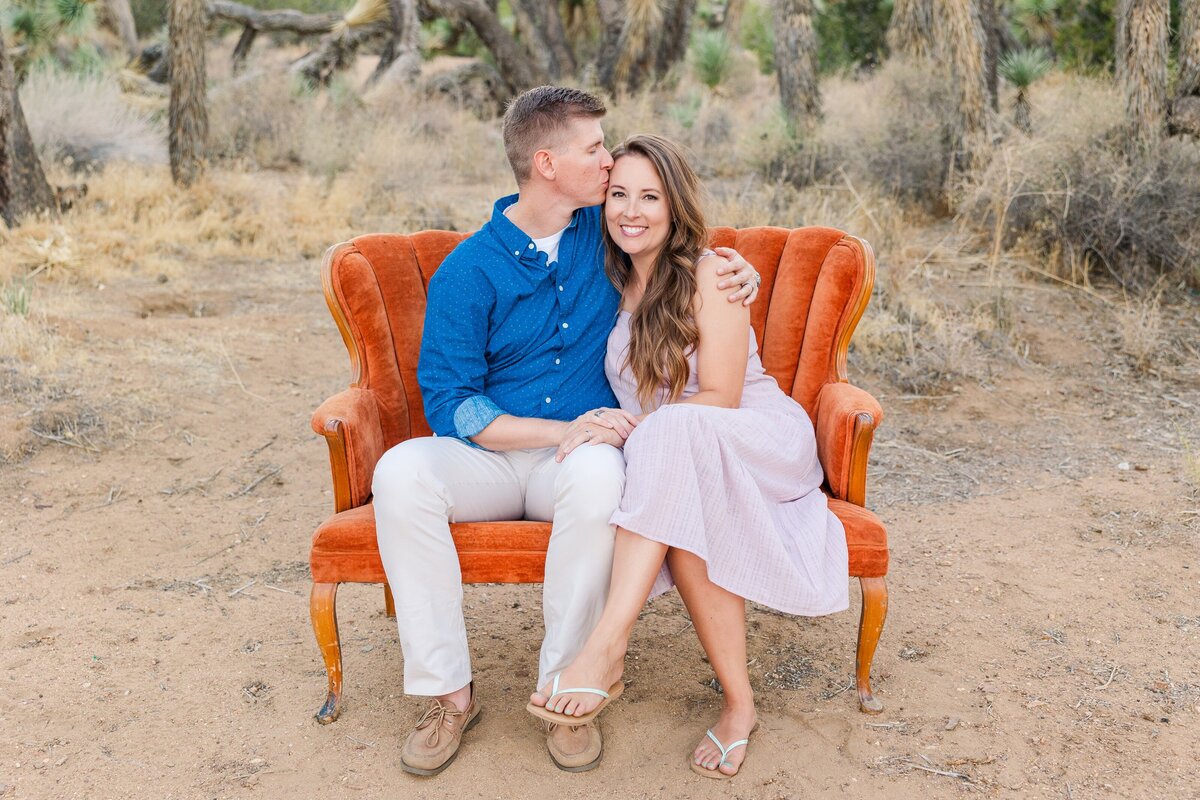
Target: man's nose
(606, 161)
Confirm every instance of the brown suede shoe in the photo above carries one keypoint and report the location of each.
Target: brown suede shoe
(574, 748)
(434, 743)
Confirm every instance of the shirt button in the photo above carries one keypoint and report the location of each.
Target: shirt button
(565, 325)
(558, 361)
(547, 399)
(516, 252)
(531, 245)
(560, 288)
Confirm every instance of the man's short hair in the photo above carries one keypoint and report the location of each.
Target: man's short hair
(535, 119)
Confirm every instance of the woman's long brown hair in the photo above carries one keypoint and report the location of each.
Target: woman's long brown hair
(663, 327)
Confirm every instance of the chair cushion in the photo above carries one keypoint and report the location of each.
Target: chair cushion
(866, 538)
(344, 548)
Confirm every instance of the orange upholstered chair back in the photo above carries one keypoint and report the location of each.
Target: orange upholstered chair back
(816, 283)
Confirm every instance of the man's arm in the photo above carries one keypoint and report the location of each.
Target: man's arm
(507, 432)
(744, 276)
(452, 369)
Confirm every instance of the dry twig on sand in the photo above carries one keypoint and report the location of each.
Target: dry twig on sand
(254, 484)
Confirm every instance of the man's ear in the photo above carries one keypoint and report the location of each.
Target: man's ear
(543, 163)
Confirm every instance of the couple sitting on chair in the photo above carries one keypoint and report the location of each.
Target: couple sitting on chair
(581, 364)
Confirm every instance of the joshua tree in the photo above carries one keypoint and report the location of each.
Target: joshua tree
(23, 186)
(1038, 20)
(796, 61)
(188, 112)
(118, 15)
(1146, 70)
(1021, 69)
(960, 38)
(1189, 49)
(910, 32)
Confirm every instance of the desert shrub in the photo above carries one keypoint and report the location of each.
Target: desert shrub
(82, 120)
(851, 33)
(260, 121)
(710, 57)
(1073, 193)
(758, 35)
(888, 129)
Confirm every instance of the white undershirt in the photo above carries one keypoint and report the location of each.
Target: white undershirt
(549, 245)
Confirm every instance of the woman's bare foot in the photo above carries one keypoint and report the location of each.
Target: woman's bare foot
(734, 725)
(596, 667)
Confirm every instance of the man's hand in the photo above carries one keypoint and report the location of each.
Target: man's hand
(598, 426)
(744, 276)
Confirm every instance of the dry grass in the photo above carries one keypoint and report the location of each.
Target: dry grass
(1072, 194)
(83, 121)
(1139, 323)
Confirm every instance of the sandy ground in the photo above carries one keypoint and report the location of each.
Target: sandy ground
(1043, 637)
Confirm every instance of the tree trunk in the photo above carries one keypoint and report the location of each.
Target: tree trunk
(609, 51)
(401, 55)
(541, 26)
(1120, 39)
(278, 20)
(731, 21)
(991, 50)
(1022, 113)
(910, 32)
(186, 25)
(960, 41)
(514, 63)
(677, 30)
(641, 31)
(117, 15)
(1189, 49)
(1146, 70)
(796, 62)
(335, 51)
(23, 185)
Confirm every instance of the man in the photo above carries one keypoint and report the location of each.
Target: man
(512, 377)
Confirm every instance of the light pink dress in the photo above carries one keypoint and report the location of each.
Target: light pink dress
(739, 487)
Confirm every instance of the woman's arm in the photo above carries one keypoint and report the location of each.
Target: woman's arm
(724, 345)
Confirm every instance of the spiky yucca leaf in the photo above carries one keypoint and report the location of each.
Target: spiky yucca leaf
(70, 10)
(710, 57)
(1022, 68)
(29, 24)
(364, 12)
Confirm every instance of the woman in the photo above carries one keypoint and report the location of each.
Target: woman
(722, 494)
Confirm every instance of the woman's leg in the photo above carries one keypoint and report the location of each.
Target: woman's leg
(636, 563)
(720, 620)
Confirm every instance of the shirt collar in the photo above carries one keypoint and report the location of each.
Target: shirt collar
(515, 240)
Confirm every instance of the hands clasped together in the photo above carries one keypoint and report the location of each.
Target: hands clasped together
(598, 426)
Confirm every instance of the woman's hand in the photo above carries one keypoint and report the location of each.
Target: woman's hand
(743, 274)
(598, 426)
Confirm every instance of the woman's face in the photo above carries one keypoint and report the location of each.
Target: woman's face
(636, 209)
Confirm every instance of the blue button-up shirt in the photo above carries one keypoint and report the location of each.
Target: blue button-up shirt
(508, 333)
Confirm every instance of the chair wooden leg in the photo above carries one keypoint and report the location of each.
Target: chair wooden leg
(870, 626)
(389, 605)
(322, 606)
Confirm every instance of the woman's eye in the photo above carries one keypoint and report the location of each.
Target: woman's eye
(617, 193)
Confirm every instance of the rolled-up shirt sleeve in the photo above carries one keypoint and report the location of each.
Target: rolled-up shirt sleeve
(453, 367)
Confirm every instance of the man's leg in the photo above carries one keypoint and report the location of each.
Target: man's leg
(579, 495)
(420, 486)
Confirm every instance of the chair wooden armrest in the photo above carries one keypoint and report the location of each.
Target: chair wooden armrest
(350, 423)
(846, 419)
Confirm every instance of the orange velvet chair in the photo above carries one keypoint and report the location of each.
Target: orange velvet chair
(816, 284)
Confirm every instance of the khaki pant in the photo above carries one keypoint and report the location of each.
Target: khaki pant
(421, 485)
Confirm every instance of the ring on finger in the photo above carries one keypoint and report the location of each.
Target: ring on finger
(598, 412)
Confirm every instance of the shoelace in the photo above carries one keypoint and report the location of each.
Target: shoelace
(436, 716)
